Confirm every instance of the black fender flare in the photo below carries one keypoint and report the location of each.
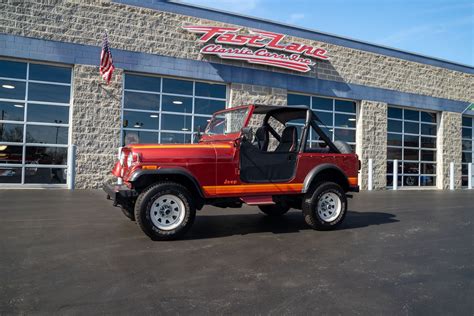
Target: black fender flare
(168, 171)
(317, 170)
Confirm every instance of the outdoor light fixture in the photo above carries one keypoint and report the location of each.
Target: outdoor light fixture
(8, 86)
(154, 115)
(18, 105)
(3, 147)
(177, 102)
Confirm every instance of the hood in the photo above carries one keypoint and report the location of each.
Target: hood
(178, 153)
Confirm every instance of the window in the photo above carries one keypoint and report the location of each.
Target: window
(167, 110)
(467, 146)
(338, 117)
(411, 139)
(34, 122)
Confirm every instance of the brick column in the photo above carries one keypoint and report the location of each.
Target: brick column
(95, 124)
(449, 149)
(371, 140)
(241, 94)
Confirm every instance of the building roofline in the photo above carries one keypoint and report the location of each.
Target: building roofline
(179, 7)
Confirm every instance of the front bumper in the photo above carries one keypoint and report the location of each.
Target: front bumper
(120, 194)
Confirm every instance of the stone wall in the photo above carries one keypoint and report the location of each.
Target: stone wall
(241, 94)
(95, 125)
(372, 143)
(449, 149)
(145, 30)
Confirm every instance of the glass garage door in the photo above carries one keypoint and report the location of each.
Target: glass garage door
(411, 139)
(467, 146)
(34, 123)
(167, 110)
(338, 117)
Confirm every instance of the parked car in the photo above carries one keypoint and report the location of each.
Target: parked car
(276, 158)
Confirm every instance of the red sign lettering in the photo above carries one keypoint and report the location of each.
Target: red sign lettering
(258, 39)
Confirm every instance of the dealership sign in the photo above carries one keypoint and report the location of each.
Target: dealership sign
(257, 47)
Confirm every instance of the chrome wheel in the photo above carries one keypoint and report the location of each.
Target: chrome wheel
(167, 212)
(329, 206)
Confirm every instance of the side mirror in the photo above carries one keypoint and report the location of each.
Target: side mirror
(247, 134)
(198, 132)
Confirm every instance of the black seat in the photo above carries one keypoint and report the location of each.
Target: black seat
(289, 139)
(262, 137)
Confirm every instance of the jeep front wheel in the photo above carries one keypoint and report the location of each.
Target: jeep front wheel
(165, 211)
(325, 206)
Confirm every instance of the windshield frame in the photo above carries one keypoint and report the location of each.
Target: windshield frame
(234, 135)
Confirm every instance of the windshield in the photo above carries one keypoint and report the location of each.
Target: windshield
(227, 122)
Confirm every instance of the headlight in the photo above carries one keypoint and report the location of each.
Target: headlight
(122, 157)
(129, 159)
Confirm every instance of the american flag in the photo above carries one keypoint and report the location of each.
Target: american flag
(106, 63)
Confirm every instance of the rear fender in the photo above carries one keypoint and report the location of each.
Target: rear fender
(337, 175)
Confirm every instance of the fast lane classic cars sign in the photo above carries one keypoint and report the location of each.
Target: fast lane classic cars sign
(257, 47)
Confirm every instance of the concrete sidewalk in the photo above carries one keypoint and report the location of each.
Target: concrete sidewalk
(405, 252)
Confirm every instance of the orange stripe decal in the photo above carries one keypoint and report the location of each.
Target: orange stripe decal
(254, 188)
(181, 146)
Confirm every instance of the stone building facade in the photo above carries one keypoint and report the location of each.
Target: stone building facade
(147, 39)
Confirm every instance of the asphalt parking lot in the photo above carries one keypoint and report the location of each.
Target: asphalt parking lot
(397, 253)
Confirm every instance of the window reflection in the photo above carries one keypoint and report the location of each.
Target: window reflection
(46, 134)
(11, 111)
(140, 120)
(210, 90)
(10, 175)
(345, 106)
(11, 133)
(55, 87)
(177, 104)
(298, 99)
(322, 104)
(135, 137)
(46, 175)
(10, 154)
(177, 86)
(200, 121)
(48, 113)
(142, 101)
(143, 83)
(10, 89)
(207, 106)
(48, 92)
(411, 115)
(175, 138)
(175, 122)
(177, 96)
(50, 73)
(12, 69)
(46, 155)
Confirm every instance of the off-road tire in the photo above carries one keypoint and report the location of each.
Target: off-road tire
(310, 205)
(144, 204)
(274, 210)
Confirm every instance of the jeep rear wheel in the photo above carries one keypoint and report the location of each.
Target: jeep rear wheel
(165, 211)
(274, 210)
(325, 206)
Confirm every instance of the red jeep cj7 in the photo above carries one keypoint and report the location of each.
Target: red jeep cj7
(288, 162)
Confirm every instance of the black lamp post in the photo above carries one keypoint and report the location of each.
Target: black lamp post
(57, 129)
